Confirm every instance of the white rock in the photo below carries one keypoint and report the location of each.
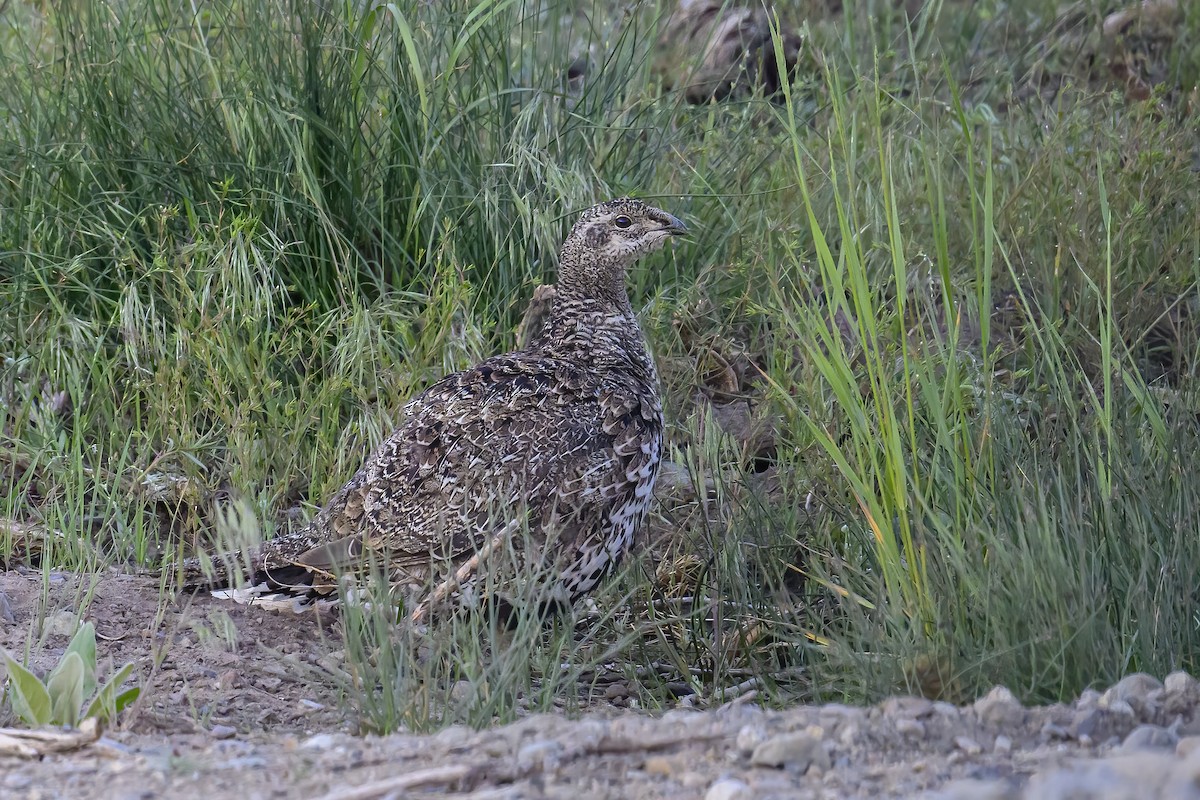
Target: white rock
(796, 751)
(1149, 737)
(729, 789)
(968, 745)
(999, 707)
(750, 737)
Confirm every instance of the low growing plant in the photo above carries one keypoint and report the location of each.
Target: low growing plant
(60, 699)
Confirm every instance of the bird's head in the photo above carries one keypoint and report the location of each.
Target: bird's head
(606, 241)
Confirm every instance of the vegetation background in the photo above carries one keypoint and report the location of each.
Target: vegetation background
(929, 356)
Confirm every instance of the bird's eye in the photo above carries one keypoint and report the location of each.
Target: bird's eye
(622, 222)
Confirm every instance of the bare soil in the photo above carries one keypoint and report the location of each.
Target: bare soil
(232, 707)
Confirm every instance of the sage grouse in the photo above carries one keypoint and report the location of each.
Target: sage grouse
(544, 458)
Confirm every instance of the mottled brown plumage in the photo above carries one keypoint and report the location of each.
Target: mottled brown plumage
(551, 450)
(716, 49)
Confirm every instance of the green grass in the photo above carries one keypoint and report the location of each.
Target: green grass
(233, 244)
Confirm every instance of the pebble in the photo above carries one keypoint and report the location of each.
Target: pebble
(750, 737)
(659, 765)
(796, 751)
(968, 745)
(543, 754)
(974, 789)
(1052, 731)
(999, 707)
(1002, 746)
(1127, 777)
(1181, 694)
(1149, 737)
(906, 707)
(222, 732)
(321, 741)
(63, 623)
(1097, 725)
(15, 780)
(1186, 746)
(1088, 699)
(1142, 693)
(729, 789)
(910, 727)
(616, 691)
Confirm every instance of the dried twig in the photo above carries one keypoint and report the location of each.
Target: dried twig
(409, 780)
(37, 743)
(452, 583)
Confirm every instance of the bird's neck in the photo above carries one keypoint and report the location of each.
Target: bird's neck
(597, 332)
(592, 281)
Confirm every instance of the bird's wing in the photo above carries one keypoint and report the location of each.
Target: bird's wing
(516, 437)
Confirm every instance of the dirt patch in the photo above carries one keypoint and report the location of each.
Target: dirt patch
(228, 712)
(205, 663)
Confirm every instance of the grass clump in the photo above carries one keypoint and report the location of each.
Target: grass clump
(929, 357)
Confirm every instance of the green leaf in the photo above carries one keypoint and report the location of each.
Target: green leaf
(126, 698)
(84, 643)
(65, 686)
(108, 701)
(29, 698)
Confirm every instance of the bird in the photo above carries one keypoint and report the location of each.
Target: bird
(716, 49)
(543, 459)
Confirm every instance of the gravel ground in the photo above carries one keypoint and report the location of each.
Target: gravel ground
(228, 721)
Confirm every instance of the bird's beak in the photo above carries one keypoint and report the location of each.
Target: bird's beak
(674, 226)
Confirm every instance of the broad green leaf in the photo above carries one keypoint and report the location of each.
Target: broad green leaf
(65, 686)
(84, 643)
(125, 698)
(29, 698)
(108, 701)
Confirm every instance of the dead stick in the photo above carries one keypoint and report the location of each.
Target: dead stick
(447, 587)
(410, 780)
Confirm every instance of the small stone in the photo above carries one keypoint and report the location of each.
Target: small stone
(15, 780)
(462, 691)
(1119, 707)
(796, 751)
(542, 754)
(1098, 725)
(1187, 745)
(321, 741)
(907, 707)
(1088, 699)
(658, 765)
(616, 691)
(63, 623)
(1180, 682)
(1141, 692)
(1120, 777)
(728, 789)
(1053, 731)
(222, 732)
(1003, 745)
(947, 711)
(750, 737)
(968, 745)
(1181, 694)
(913, 728)
(973, 789)
(1149, 737)
(999, 707)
